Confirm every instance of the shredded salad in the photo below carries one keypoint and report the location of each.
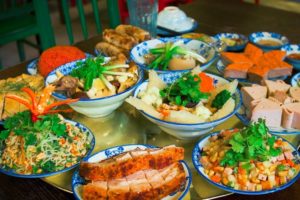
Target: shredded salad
(47, 145)
(249, 159)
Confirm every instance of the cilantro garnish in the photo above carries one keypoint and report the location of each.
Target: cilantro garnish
(184, 90)
(250, 143)
(221, 99)
(21, 124)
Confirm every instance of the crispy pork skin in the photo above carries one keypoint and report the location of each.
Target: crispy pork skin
(130, 162)
(142, 185)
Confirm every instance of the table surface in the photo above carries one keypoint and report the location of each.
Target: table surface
(213, 17)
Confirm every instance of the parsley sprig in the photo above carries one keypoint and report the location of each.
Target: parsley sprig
(22, 125)
(184, 90)
(252, 142)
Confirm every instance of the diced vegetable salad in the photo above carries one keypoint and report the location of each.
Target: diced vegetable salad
(249, 159)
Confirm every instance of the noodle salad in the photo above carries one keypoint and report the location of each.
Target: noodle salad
(47, 145)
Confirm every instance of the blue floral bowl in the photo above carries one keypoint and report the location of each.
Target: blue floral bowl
(187, 131)
(268, 40)
(207, 51)
(78, 181)
(98, 107)
(291, 49)
(295, 80)
(196, 156)
(233, 36)
(91, 139)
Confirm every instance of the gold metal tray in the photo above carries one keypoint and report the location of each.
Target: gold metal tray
(127, 126)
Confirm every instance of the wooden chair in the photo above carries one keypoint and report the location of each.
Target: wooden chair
(20, 19)
(113, 12)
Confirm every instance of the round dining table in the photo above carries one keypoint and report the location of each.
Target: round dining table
(213, 17)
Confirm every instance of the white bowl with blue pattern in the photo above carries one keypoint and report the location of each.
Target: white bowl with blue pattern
(32, 68)
(290, 49)
(78, 181)
(138, 52)
(94, 108)
(239, 47)
(187, 131)
(257, 36)
(91, 140)
(196, 156)
(295, 80)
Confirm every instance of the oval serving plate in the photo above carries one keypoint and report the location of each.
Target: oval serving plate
(196, 156)
(78, 181)
(43, 175)
(32, 66)
(207, 51)
(242, 115)
(221, 67)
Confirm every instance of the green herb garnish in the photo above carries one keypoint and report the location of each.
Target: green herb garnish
(166, 53)
(221, 99)
(22, 125)
(184, 90)
(93, 68)
(250, 143)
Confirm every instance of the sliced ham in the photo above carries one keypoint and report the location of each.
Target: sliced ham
(252, 93)
(291, 115)
(268, 110)
(130, 162)
(274, 86)
(281, 97)
(295, 93)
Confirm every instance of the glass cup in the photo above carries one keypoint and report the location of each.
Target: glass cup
(143, 13)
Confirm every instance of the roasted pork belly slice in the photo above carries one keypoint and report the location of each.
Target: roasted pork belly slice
(166, 156)
(118, 189)
(140, 188)
(174, 178)
(252, 93)
(291, 115)
(157, 183)
(95, 191)
(128, 163)
(268, 110)
(237, 70)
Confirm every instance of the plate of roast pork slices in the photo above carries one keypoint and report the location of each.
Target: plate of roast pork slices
(133, 172)
(275, 101)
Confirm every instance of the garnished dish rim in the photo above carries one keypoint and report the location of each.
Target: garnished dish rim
(76, 183)
(239, 47)
(197, 165)
(43, 175)
(237, 107)
(172, 39)
(63, 97)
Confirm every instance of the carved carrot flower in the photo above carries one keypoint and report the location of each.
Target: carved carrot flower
(40, 104)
